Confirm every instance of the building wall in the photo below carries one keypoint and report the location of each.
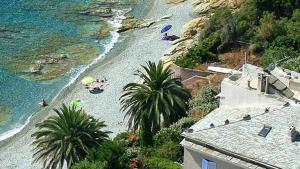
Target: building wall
(193, 159)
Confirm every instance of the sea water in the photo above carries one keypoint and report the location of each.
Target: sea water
(45, 44)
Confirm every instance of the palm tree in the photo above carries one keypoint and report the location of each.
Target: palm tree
(66, 136)
(159, 95)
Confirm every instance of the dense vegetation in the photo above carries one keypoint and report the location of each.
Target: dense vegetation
(269, 28)
(127, 151)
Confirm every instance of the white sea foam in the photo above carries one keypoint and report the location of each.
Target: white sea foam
(14, 131)
(116, 23)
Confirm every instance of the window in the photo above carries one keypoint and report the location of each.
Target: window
(207, 164)
(265, 131)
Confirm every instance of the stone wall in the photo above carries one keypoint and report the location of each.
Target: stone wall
(185, 73)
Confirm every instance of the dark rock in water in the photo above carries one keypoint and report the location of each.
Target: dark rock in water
(36, 68)
(7, 30)
(52, 59)
(4, 114)
(104, 4)
(7, 33)
(98, 11)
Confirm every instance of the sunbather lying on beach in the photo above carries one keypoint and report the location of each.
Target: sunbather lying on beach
(169, 38)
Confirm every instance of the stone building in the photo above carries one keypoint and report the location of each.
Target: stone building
(254, 127)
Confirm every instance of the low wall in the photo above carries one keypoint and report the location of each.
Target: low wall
(190, 81)
(185, 73)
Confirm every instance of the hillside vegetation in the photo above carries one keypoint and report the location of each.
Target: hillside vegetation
(268, 28)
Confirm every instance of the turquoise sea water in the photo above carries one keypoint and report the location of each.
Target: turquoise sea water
(43, 44)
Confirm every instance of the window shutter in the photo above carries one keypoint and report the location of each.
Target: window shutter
(204, 164)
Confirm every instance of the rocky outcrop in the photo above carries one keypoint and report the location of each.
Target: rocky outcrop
(209, 6)
(174, 1)
(191, 30)
(37, 68)
(98, 11)
(131, 23)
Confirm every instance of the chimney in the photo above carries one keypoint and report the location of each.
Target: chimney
(247, 117)
(266, 84)
(293, 133)
(226, 121)
(260, 83)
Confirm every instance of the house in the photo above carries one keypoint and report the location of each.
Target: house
(254, 127)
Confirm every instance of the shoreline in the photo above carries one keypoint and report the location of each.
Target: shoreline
(118, 65)
(116, 23)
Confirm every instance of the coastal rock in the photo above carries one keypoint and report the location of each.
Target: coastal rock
(179, 40)
(98, 11)
(52, 59)
(175, 1)
(193, 27)
(166, 17)
(36, 68)
(132, 23)
(102, 33)
(209, 6)
(146, 24)
(128, 24)
(203, 8)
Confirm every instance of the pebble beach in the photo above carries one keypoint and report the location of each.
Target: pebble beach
(134, 48)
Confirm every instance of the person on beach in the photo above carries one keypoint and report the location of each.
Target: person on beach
(104, 79)
(165, 36)
(43, 103)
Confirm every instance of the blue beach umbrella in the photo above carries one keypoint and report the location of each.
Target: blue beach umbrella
(166, 28)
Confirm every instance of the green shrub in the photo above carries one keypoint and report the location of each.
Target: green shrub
(276, 54)
(200, 54)
(292, 64)
(122, 138)
(166, 135)
(186, 62)
(205, 99)
(216, 22)
(90, 165)
(285, 41)
(169, 150)
(183, 123)
(161, 163)
(111, 152)
(211, 43)
(281, 8)
(269, 28)
(133, 152)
